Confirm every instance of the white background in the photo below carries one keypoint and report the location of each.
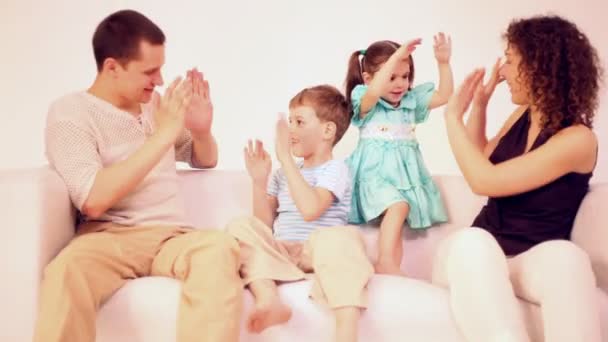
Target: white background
(258, 54)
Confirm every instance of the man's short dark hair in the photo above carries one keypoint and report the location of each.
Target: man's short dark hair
(119, 35)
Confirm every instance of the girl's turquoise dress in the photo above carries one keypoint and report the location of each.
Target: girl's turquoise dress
(387, 166)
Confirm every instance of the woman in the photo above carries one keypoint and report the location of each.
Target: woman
(535, 172)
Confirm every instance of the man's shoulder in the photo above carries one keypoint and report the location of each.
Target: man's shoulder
(74, 107)
(68, 107)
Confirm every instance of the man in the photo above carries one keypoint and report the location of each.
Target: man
(115, 146)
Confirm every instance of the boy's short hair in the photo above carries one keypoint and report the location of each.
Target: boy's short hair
(329, 105)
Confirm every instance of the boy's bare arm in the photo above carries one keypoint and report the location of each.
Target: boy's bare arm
(264, 205)
(259, 167)
(312, 202)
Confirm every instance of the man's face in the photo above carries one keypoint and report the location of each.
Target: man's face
(136, 80)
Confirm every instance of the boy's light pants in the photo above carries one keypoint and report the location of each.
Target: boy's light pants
(336, 255)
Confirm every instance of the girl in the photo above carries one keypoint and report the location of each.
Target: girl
(390, 177)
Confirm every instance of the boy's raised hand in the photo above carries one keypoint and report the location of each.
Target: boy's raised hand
(258, 162)
(282, 147)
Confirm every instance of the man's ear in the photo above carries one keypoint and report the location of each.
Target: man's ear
(111, 66)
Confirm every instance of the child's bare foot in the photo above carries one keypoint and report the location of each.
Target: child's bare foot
(388, 268)
(268, 314)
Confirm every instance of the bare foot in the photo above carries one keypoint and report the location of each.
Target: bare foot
(268, 314)
(388, 268)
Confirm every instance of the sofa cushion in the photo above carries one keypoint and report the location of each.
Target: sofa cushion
(400, 309)
(591, 231)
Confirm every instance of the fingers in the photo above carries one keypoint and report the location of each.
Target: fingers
(246, 155)
(495, 77)
(467, 81)
(169, 92)
(281, 120)
(479, 91)
(206, 92)
(198, 83)
(249, 147)
(186, 98)
(190, 77)
(471, 82)
(282, 134)
(179, 88)
(155, 100)
(183, 88)
(248, 152)
(182, 94)
(476, 80)
(177, 97)
(255, 150)
(439, 39)
(412, 44)
(442, 39)
(461, 99)
(196, 79)
(203, 86)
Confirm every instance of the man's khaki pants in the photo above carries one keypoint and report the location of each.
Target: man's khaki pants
(103, 257)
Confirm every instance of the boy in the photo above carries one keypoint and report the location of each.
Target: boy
(306, 203)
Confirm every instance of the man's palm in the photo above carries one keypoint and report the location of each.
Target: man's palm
(200, 112)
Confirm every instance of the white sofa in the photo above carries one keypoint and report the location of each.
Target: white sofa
(38, 223)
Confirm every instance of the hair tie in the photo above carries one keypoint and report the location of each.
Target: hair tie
(363, 52)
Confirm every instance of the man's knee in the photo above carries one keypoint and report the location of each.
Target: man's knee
(240, 224)
(70, 264)
(217, 244)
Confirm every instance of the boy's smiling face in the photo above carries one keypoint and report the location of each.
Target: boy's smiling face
(306, 132)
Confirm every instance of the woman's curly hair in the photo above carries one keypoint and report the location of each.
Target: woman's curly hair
(562, 68)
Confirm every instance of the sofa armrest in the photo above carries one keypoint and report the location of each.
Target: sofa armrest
(38, 220)
(590, 231)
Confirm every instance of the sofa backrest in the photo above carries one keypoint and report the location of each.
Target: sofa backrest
(214, 197)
